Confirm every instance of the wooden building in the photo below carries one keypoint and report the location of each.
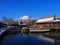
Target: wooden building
(50, 21)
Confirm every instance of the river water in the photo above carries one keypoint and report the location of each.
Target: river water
(31, 39)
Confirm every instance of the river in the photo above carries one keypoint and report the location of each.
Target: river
(31, 39)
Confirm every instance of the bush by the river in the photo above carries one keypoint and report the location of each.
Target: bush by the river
(55, 29)
(1, 25)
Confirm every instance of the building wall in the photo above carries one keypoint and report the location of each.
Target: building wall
(51, 24)
(42, 25)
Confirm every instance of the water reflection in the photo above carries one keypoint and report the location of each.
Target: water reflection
(31, 39)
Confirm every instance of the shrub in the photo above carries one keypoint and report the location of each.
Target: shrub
(1, 25)
(54, 29)
(25, 31)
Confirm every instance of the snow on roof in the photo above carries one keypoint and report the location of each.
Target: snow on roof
(45, 20)
(55, 21)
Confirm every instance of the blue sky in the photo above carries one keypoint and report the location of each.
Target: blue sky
(33, 8)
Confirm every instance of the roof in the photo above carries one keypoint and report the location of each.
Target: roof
(49, 21)
(45, 20)
(55, 21)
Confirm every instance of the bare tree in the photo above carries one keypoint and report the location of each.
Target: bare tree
(8, 21)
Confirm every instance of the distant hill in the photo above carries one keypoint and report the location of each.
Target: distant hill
(25, 19)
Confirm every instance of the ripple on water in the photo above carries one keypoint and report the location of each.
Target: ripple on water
(18, 39)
